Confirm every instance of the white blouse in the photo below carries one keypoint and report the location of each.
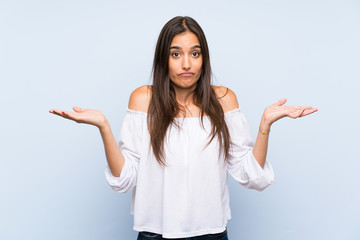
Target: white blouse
(189, 196)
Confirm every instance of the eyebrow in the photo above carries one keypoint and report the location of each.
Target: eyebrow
(179, 48)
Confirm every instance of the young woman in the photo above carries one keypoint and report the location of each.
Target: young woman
(180, 137)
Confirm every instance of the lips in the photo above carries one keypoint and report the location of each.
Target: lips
(187, 74)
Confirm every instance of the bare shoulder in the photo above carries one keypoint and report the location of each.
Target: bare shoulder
(226, 97)
(140, 99)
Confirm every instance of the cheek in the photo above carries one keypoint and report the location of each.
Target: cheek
(172, 66)
(199, 66)
(199, 62)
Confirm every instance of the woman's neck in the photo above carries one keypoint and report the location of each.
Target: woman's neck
(184, 96)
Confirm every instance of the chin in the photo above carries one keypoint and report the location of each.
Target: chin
(183, 85)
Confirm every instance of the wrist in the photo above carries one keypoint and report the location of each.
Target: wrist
(104, 125)
(265, 132)
(264, 127)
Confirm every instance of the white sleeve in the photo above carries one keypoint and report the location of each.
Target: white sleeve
(241, 163)
(129, 144)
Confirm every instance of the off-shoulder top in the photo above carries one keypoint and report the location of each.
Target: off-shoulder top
(189, 196)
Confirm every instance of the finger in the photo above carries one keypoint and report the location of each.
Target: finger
(281, 101)
(306, 107)
(301, 113)
(296, 114)
(309, 111)
(57, 112)
(78, 109)
(296, 108)
(69, 115)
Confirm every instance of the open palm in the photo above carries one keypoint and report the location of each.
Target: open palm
(88, 116)
(276, 111)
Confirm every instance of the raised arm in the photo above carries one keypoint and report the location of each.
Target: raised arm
(114, 157)
(272, 114)
(94, 117)
(116, 160)
(137, 102)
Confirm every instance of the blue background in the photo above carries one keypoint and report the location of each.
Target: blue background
(60, 54)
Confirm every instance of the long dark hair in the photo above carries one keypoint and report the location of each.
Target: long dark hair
(163, 107)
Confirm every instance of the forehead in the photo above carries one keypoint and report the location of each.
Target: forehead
(185, 39)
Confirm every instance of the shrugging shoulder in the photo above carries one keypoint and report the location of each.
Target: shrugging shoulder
(140, 98)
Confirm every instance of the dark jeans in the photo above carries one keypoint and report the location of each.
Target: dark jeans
(216, 236)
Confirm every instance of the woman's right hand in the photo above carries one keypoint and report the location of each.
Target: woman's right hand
(88, 116)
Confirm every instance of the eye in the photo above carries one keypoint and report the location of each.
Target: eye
(175, 54)
(196, 54)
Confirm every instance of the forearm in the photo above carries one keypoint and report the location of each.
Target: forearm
(113, 154)
(261, 143)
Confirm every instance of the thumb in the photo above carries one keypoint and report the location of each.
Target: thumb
(281, 101)
(78, 109)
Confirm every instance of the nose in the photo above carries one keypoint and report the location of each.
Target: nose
(186, 63)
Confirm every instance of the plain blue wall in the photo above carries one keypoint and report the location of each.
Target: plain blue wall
(60, 54)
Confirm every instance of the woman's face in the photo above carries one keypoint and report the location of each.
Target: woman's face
(185, 60)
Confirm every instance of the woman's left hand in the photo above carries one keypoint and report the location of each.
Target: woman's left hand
(276, 111)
